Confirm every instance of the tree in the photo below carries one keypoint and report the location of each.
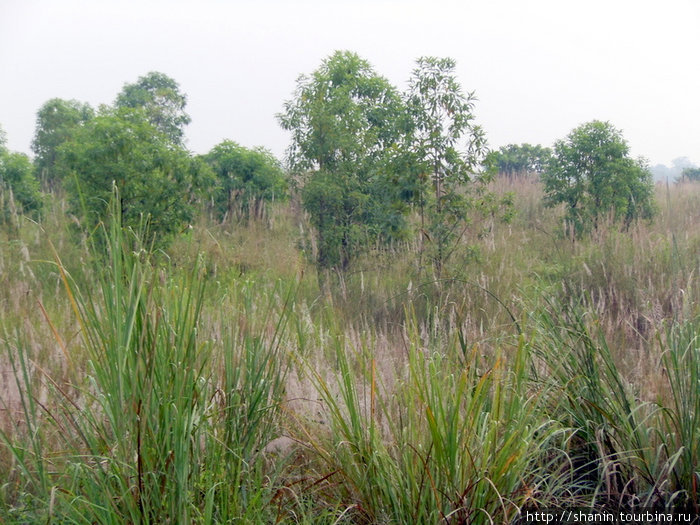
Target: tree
(690, 174)
(155, 180)
(56, 122)
(592, 174)
(163, 103)
(344, 120)
(516, 160)
(447, 147)
(245, 180)
(19, 189)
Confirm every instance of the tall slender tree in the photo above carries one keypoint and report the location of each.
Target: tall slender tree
(448, 148)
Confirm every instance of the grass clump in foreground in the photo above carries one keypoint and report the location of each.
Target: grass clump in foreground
(624, 452)
(466, 435)
(155, 424)
(458, 438)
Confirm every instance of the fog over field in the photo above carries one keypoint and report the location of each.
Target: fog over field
(538, 68)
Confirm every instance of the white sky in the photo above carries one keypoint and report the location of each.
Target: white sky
(539, 67)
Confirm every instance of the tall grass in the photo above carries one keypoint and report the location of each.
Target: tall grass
(626, 452)
(153, 427)
(610, 447)
(457, 438)
(681, 414)
(147, 387)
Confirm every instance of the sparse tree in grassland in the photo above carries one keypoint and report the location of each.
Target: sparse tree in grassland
(155, 180)
(690, 174)
(447, 148)
(518, 160)
(592, 174)
(246, 179)
(345, 122)
(19, 189)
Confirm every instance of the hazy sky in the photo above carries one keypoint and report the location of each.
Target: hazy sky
(539, 67)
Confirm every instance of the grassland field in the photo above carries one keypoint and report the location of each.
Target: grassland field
(219, 382)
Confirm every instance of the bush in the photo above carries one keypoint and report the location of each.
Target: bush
(156, 180)
(592, 174)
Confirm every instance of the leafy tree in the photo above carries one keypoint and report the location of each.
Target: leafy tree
(447, 148)
(516, 160)
(344, 120)
(592, 174)
(56, 122)
(154, 179)
(163, 103)
(245, 180)
(690, 174)
(19, 189)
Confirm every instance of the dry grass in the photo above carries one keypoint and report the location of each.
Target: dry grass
(383, 318)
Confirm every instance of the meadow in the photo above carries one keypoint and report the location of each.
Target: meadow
(217, 381)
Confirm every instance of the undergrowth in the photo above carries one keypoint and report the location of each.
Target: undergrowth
(216, 382)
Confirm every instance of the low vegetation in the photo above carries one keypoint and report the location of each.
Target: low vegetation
(238, 366)
(214, 381)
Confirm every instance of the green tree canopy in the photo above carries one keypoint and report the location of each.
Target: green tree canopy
(344, 119)
(245, 180)
(19, 189)
(155, 180)
(592, 174)
(517, 160)
(163, 103)
(690, 174)
(56, 122)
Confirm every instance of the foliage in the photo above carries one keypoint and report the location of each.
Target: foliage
(592, 174)
(19, 189)
(447, 148)
(160, 98)
(155, 179)
(245, 180)
(516, 160)
(681, 361)
(690, 174)
(152, 389)
(337, 213)
(344, 120)
(56, 122)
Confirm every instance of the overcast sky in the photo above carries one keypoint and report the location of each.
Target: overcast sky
(539, 67)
